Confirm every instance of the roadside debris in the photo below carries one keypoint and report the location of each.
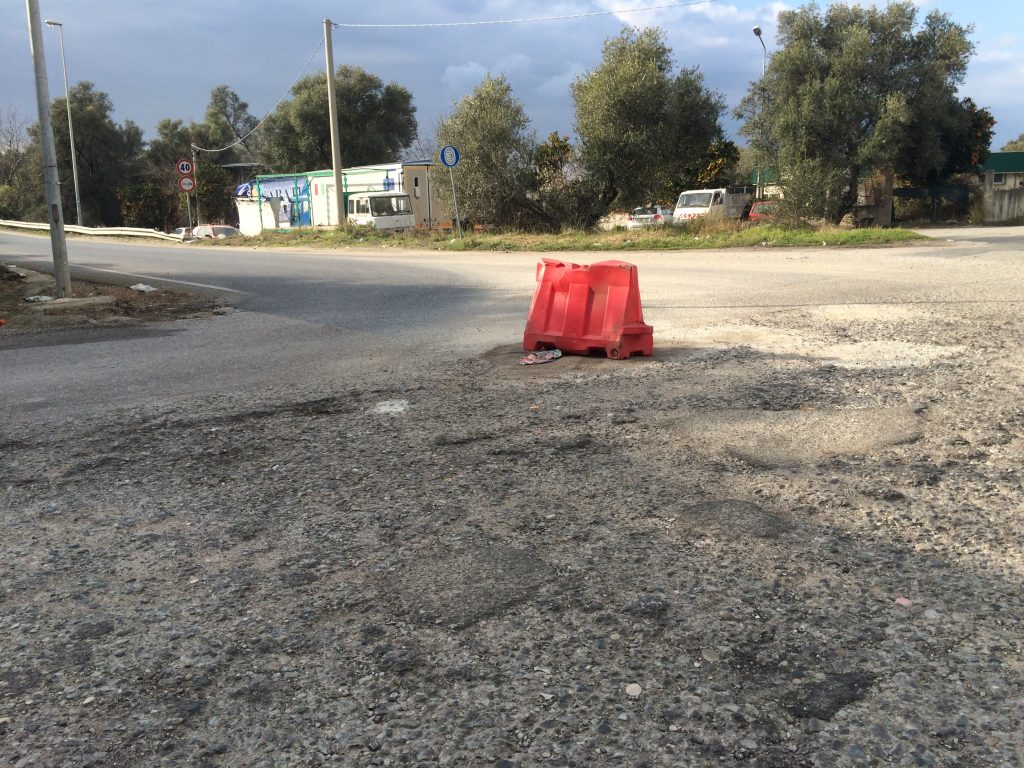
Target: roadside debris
(541, 356)
(142, 288)
(391, 406)
(40, 298)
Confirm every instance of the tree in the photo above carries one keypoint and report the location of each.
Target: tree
(565, 196)
(856, 90)
(643, 133)
(228, 121)
(376, 122)
(21, 187)
(147, 204)
(214, 192)
(505, 178)
(108, 155)
(721, 161)
(967, 138)
(496, 172)
(172, 143)
(1017, 145)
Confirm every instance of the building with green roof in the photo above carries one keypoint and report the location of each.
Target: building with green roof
(1002, 187)
(1007, 169)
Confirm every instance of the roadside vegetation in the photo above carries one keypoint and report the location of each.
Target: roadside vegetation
(853, 102)
(690, 237)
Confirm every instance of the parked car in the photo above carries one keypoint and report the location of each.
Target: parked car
(185, 233)
(216, 231)
(763, 210)
(648, 216)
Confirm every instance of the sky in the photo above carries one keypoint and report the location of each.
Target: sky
(159, 59)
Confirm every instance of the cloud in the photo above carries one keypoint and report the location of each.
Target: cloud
(557, 86)
(459, 79)
(515, 64)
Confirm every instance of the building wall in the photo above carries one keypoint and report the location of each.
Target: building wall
(1002, 202)
(255, 216)
(1009, 181)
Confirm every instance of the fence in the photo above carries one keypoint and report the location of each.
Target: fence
(1004, 204)
(107, 231)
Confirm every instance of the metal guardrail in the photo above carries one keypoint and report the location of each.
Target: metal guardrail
(109, 231)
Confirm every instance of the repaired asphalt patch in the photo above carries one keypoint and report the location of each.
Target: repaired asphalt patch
(801, 438)
(454, 587)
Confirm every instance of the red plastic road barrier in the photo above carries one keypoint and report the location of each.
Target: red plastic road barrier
(579, 308)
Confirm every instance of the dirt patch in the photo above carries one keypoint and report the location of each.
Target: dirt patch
(91, 305)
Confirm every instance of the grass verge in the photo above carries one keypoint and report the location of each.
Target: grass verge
(699, 236)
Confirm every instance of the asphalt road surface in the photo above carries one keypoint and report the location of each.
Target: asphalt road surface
(339, 525)
(306, 317)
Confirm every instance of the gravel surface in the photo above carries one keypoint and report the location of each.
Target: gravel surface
(801, 546)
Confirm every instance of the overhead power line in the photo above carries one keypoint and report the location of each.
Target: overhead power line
(522, 21)
(274, 109)
(449, 24)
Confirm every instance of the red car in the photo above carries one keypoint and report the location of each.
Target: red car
(763, 210)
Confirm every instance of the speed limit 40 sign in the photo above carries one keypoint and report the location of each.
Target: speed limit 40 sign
(185, 167)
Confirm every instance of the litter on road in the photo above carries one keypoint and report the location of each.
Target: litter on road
(541, 356)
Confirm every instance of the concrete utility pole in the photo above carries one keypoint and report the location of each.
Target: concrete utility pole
(332, 108)
(51, 180)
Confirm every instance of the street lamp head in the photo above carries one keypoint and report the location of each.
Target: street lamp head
(757, 30)
(52, 23)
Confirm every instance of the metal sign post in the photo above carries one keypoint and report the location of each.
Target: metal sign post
(449, 159)
(187, 183)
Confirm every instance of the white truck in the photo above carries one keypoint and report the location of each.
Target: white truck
(381, 210)
(712, 203)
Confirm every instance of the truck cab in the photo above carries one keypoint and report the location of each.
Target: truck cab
(381, 210)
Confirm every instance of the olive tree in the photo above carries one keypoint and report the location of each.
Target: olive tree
(644, 132)
(496, 172)
(376, 123)
(857, 90)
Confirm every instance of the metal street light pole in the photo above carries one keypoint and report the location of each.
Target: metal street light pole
(764, 69)
(71, 127)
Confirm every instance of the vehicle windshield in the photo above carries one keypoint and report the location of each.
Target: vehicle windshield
(644, 211)
(694, 200)
(390, 206)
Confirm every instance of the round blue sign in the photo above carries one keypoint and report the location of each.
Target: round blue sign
(449, 156)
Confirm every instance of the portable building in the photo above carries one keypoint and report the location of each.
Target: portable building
(308, 199)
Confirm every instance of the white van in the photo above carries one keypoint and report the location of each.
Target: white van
(713, 203)
(382, 210)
